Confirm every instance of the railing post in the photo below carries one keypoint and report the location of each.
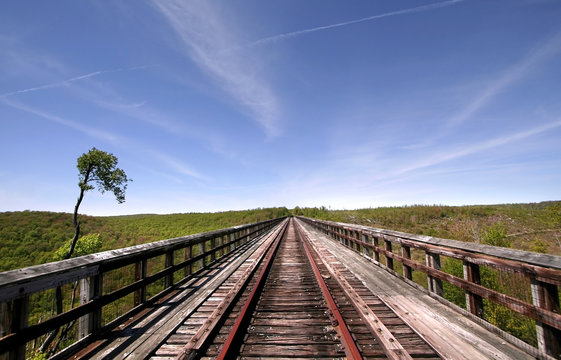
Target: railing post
(223, 240)
(237, 238)
(189, 268)
(168, 280)
(406, 253)
(212, 249)
(5, 315)
(546, 296)
(435, 285)
(357, 242)
(376, 244)
(219, 251)
(90, 288)
(246, 238)
(232, 242)
(139, 274)
(201, 250)
(14, 318)
(389, 260)
(474, 303)
(365, 249)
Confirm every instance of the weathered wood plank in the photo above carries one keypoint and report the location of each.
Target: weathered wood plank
(459, 331)
(145, 336)
(22, 282)
(541, 260)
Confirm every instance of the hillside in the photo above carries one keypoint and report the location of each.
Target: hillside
(532, 227)
(30, 237)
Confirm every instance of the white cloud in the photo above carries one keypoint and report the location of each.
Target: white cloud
(177, 165)
(515, 73)
(205, 37)
(69, 81)
(476, 148)
(90, 131)
(289, 35)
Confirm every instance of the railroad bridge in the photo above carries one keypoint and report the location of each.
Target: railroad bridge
(288, 288)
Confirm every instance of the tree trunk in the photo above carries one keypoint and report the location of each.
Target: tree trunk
(58, 290)
(75, 217)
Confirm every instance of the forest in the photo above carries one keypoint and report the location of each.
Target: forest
(32, 237)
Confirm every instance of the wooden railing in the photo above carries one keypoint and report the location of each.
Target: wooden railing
(540, 273)
(194, 253)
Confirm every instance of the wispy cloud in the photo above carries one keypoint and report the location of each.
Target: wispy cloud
(92, 132)
(515, 73)
(205, 36)
(476, 148)
(293, 34)
(176, 164)
(71, 80)
(169, 161)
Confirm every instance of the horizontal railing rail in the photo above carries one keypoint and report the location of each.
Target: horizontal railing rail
(541, 272)
(16, 286)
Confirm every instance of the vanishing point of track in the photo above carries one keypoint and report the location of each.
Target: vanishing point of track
(291, 298)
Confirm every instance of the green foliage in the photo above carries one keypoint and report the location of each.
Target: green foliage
(539, 246)
(519, 225)
(39, 356)
(317, 213)
(552, 216)
(495, 235)
(32, 237)
(452, 293)
(100, 168)
(85, 245)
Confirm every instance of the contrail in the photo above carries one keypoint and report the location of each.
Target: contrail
(67, 81)
(370, 18)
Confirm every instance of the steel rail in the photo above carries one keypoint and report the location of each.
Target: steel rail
(200, 340)
(391, 346)
(232, 342)
(349, 344)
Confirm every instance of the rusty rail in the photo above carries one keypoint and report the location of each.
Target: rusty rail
(16, 286)
(245, 313)
(543, 272)
(392, 348)
(350, 347)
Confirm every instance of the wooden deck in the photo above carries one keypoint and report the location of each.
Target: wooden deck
(451, 333)
(142, 335)
(448, 332)
(290, 287)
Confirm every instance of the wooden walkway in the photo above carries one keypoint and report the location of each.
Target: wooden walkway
(452, 334)
(291, 318)
(292, 287)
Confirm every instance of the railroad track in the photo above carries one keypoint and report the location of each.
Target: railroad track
(292, 299)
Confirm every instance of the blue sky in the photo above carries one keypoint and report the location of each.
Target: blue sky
(217, 105)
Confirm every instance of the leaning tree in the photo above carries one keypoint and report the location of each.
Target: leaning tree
(96, 168)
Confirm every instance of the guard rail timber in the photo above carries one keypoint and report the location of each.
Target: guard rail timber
(195, 252)
(540, 273)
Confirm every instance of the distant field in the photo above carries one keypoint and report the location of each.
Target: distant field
(30, 237)
(533, 227)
